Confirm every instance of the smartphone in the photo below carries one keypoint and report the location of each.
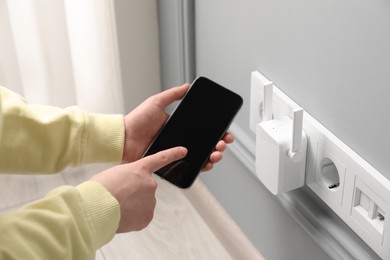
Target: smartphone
(198, 122)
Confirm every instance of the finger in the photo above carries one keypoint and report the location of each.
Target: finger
(228, 138)
(167, 97)
(221, 146)
(207, 167)
(215, 157)
(155, 161)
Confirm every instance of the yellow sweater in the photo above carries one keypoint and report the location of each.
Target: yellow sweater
(69, 222)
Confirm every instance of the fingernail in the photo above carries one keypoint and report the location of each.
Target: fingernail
(183, 150)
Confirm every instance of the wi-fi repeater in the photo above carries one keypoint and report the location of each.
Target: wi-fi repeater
(281, 147)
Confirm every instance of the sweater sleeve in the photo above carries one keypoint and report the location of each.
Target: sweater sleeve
(68, 223)
(45, 139)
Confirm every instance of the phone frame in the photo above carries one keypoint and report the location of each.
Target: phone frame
(172, 115)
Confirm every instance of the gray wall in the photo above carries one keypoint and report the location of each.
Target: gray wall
(331, 57)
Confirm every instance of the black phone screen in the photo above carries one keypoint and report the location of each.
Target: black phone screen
(199, 121)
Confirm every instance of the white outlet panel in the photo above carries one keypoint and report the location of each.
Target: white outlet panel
(355, 190)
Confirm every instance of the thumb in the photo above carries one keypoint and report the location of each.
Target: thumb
(156, 161)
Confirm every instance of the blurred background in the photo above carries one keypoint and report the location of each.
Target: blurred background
(101, 55)
(331, 57)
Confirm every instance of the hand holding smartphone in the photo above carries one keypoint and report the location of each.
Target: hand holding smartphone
(199, 121)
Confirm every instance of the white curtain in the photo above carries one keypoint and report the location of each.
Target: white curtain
(61, 52)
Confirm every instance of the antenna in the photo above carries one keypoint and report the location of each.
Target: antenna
(296, 131)
(267, 103)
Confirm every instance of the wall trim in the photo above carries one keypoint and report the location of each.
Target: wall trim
(320, 223)
(176, 21)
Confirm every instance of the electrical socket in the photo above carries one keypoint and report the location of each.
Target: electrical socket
(362, 195)
(329, 174)
(350, 186)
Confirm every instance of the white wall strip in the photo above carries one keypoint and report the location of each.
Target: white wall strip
(334, 237)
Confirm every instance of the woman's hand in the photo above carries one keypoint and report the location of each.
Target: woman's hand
(134, 188)
(144, 122)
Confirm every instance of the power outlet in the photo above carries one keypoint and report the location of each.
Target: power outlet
(329, 175)
(351, 187)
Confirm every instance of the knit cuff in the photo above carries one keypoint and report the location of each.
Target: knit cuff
(102, 209)
(105, 137)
